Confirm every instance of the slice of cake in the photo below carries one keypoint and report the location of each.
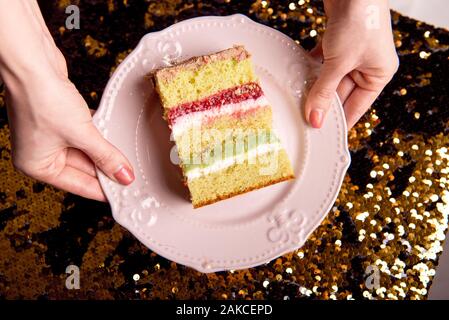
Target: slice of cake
(221, 122)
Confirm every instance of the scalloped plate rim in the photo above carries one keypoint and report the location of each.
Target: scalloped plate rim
(103, 179)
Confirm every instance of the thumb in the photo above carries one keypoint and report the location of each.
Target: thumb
(317, 51)
(105, 156)
(322, 94)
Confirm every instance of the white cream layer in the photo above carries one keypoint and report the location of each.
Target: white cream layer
(194, 119)
(228, 162)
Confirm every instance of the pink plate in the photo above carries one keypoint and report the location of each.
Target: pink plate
(247, 230)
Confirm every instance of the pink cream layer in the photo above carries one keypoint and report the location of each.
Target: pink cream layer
(229, 96)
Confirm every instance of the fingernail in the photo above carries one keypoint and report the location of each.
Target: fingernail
(316, 118)
(124, 175)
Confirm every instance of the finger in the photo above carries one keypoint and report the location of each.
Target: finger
(78, 182)
(317, 51)
(322, 94)
(104, 155)
(92, 112)
(78, 160)
(358, 103)
(345, 88)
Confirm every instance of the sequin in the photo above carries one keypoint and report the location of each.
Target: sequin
(399, 151)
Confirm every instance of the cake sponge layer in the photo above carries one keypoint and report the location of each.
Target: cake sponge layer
(241, 178)
(187, 82)
(204, 137)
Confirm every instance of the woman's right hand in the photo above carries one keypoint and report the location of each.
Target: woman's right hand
(52, 134)
(54, 140)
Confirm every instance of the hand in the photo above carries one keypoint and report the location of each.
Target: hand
(359, 59)
(53, 137)
(52, 134)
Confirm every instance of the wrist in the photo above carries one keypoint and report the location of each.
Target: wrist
(21, 73)
(17, 69)
(29, 84)
(354, 9)
(27, 49)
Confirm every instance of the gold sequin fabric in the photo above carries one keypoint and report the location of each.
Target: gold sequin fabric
(381, 240)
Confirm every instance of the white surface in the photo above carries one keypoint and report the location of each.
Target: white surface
(246, 230)
(440, 285)
(434, 12)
